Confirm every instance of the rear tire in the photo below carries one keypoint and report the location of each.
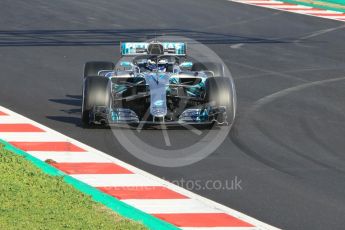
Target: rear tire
(95, 93)
(219, 93)
(92, 68)
(216, 68)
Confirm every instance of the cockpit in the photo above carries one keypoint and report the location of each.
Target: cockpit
(163, 63)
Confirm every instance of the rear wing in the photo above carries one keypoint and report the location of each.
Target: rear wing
(139, 48)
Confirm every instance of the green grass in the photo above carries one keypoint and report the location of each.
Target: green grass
(31, 199)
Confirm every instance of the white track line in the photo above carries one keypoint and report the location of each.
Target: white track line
(13, 120)
(102, 180)
(332, 17)
(69, 157)
(310, 12)
(32, 136)
(260, 2)
(295, 7)
(171, 206)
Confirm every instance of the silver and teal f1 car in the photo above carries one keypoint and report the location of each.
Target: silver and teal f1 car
(154, 84)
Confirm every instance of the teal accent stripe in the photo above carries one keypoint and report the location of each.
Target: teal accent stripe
(111, 202)
(340, 2)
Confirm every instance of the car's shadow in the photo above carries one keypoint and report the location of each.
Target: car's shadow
(72, 111)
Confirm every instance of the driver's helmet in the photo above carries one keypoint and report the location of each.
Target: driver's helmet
(161, 68)
(162, 65)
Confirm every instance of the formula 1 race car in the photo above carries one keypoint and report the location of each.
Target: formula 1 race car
(153, 86)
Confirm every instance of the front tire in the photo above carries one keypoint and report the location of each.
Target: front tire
(219, 93)
(95, 93)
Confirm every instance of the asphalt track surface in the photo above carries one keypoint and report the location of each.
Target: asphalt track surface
(287, 145)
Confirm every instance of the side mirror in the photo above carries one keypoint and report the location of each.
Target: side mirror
(126, 64)
(186, 64)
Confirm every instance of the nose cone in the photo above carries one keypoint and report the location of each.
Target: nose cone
(158, 84)
(158, 108)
